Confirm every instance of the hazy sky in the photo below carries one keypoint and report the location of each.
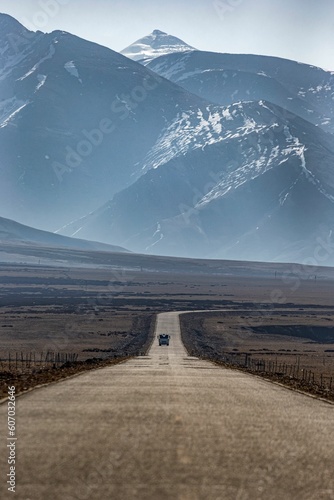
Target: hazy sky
(302, 30)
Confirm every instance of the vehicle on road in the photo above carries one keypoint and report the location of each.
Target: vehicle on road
(163, 339)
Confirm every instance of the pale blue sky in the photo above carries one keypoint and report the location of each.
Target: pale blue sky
(302, 30)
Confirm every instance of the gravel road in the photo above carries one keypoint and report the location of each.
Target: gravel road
(168, 426)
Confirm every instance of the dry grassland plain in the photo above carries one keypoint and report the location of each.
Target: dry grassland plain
(104, 315)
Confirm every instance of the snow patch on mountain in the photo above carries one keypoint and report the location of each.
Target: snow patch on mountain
(300, 151)
(283, 197)
(157, 236)
(194, 130)
(49, 55)
(189, 130)
(9, 109)
(175, 69)
(72, 70)
(41, 79)
(250, 170)
(226, 114)
(232, 180)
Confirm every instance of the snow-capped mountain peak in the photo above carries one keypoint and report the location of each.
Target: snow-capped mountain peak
(157, 44)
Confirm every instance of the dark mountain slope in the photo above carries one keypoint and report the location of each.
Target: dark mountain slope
(75, 119)
(249, 194)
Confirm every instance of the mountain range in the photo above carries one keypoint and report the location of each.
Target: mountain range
(300, 89)
(169, 150)
(75, 120)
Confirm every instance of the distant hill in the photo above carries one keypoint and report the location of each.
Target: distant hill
(13, 232)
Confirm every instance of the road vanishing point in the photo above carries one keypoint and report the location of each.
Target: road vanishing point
(170, 426)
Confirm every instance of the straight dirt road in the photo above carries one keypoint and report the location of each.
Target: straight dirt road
(168, 426)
